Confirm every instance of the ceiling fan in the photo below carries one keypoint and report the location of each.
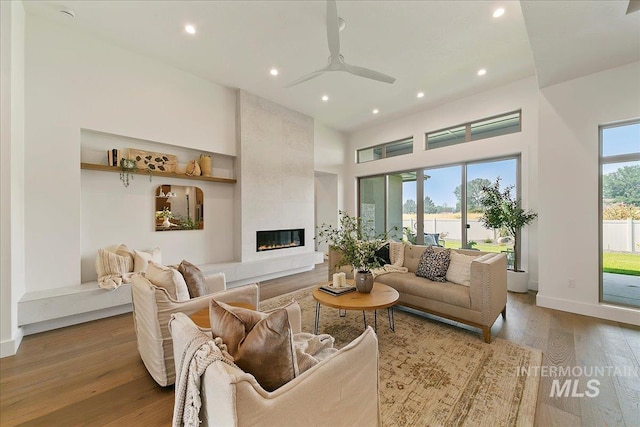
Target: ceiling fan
(336, 60)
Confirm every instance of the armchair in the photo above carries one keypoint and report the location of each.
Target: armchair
(152, 309)
(341, 390)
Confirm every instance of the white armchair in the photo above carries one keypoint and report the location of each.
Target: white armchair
(152, 309)
(341, 390)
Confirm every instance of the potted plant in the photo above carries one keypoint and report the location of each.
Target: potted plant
(127, 167)
(357, 241)
(502, 210)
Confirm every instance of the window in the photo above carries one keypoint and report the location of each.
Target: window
(389, 149)
(473, 131)
(620, 213)
(438, 204)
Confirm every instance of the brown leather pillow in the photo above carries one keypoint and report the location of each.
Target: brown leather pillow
(232, 323)
(267, 351)
(260, 344)
(194, 278)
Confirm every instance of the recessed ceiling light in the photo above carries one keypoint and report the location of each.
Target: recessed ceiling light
(190, 29)
(375, 111)
(274, 72)
(325, 98)
(482, 71)
(498, 12)
(420, 95)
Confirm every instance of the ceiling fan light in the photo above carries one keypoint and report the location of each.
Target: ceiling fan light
(325, 98)
(498, 12)
(482, 71)
(375, 111)
(273, 72)
(420, 95)
(190, 29)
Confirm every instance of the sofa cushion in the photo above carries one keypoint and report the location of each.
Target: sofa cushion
(433, 265)
(194, 279)
(412, 255)
(446, 292)
(459, 270)
(169, 279)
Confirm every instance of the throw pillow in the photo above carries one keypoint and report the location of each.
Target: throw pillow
(433, 265)
(125, 252)
(459, 270)
(383, 255)
(429, 240)
(109, 263)
(141, 259)
(267, 351)
(169, 279)
(194, 279)
(258, 345)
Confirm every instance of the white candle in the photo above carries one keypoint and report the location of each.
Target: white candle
(343, 279)
(336, 280)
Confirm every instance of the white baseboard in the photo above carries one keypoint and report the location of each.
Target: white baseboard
(10, 347)
(35, 328)
(601, 311)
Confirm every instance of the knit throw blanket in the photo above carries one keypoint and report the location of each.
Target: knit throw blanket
(396, 255)
(200, 352)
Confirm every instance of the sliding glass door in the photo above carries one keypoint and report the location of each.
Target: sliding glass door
(440, 205)
(442, 221)
(620, 214)
(482, 174)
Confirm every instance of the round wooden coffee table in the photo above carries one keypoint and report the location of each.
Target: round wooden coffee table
(381, 296)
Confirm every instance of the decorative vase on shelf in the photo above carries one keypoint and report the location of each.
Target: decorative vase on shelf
(205, 165)
(166, 223)
(363, 281)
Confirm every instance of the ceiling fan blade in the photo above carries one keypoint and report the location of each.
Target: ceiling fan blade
(367, 73)
(333, 30)
(306, 77)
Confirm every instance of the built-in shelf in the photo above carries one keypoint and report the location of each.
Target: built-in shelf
(105, 168)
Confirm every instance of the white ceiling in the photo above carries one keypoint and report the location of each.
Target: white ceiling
(430, 46)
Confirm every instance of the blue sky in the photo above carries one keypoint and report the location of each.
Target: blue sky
(443, 181)
(620, 140)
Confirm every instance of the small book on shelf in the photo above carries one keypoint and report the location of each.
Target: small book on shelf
(337, 291)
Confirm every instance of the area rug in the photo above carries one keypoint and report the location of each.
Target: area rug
(436, 374)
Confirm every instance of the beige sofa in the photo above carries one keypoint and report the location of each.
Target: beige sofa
(341, 390)
(477, 305)
(152, 309)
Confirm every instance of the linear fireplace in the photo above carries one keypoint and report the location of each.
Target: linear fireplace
(279, 239)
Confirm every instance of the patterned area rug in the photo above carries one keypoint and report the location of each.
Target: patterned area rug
(435, 374)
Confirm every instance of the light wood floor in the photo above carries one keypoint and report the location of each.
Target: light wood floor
(91, 374)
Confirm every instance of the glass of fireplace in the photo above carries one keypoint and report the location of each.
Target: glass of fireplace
(178, 207)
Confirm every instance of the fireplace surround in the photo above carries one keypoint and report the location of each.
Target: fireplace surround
(269, 240)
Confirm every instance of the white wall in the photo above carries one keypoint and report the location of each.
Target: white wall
(330, 148)
(276, 174)
(75, 81)
(12, 227)
(570, 114)
(518, 95)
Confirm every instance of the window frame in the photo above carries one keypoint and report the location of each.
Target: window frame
(383, 146)
(468, 137)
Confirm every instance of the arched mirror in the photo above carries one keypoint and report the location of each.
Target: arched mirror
(179, 207)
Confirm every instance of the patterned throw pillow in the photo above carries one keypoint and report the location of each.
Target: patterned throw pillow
(433, 265)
